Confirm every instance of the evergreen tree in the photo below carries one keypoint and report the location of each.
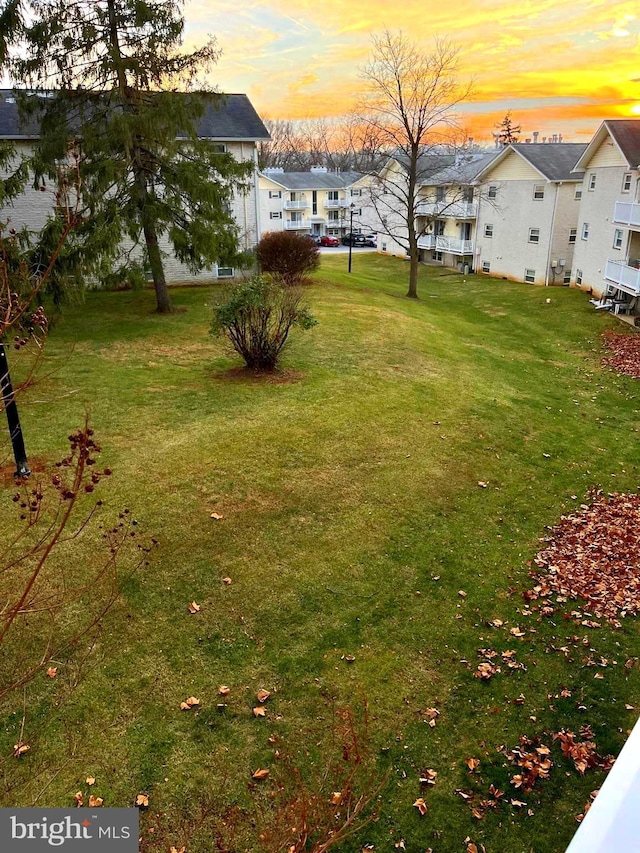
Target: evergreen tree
(508, 133)
(116, 88)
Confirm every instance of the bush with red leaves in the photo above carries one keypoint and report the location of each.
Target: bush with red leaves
(288, 256)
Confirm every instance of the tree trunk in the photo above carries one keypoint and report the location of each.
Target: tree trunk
(413, 274)
(163, 300)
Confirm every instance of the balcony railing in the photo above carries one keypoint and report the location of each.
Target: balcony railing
(624, 276)
(334, 203)
(456, 209)
(627, 213)
(452, 245)
(297, 224)
(296, 205)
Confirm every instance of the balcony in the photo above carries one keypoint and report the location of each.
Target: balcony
(336, 203)
(296, 205)
(452, 245)
(627, 213)
(623, 276)
(455, 209)
(297, 224)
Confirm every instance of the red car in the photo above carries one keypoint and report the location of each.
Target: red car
(326, 240)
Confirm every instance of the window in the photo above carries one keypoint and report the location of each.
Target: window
(441, 193)
(355, 193)
(573, 234)
(275, 193)
(592, 181)
(225, 272)
(530, 276)
(626, 183)
(493, 191)
(275, 214)
(578, 276)
(538, 191)
(486, 266)
(467, 194)
(333, 215)
(585, 230)
(567, 277)
(438, 227)
(332, 195)
(384, 247)
(534, 235)
(578, 193)
(488, 230)
(437, 256)
(617, 238)
(219, 147)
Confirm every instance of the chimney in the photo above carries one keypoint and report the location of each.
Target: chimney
(544, 138)
(528, 140)
(559, 137)
(535, 136)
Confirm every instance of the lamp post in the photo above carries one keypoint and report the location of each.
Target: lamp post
(351, 207)
(13, 419)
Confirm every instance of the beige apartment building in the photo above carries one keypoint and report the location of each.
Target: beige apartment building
(316, 202)
(528, 213)
(607, 255)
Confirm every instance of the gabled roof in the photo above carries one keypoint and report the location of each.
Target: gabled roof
(231, 118)
(554, 161)
(464, 172)
(312, 180)
(625, 132)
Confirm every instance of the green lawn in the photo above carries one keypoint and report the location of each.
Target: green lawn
(352, 518)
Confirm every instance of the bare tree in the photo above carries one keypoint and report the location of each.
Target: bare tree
(409, 107)
(508, 132)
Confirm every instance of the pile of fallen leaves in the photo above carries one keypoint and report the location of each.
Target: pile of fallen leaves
(594, 554)
(625, 353)
(532, 757)
(583, 753)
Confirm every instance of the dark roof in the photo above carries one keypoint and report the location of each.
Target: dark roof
(555, 160)
(465, 171)
(313, 180)
(232, 117)
(626, 132)
(428, 164)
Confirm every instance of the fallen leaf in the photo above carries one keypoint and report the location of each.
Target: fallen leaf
(260, 774)
(227, 581)
(142, 801)
(482, 484)
(462, 593)
(95, 802)
(471, 848)
(421, 806)
(223, 690)
(263, 695)
(90, 780)
(517, 632)
(52, 671)
(428, 777)
(472, 763)
(194, 607)
(191, 702)
(336, 798)
(216, 515)
(518, 803)
(79, 798)
(20, 749)
(259, 711)
(178, 850)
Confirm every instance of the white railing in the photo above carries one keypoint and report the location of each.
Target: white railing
(457, 209)
(336, 203)
(297, 224)
(623, 276)
(627, 213)
(296, 205)
(453, 245)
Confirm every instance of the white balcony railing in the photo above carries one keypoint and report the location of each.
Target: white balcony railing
(456, 209)
(296, 205)
(452, 245)
(627, 213)
(297, 224)
(623, 276)
(335, 203)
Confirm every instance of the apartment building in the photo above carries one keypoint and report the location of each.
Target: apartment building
(232, 124)
(447, 211)
(607, 254)
(527, 223)
(315, 202)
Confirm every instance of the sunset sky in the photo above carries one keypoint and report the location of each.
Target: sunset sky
(559, 66)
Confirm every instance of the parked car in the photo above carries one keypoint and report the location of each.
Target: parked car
(353, 240)
(315, 238)
(371, 240)
(328, 240)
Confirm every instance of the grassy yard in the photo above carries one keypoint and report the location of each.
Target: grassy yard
(352, 520)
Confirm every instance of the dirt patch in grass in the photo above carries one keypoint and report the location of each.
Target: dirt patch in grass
(268, 377)
(37, 465)
(624, 352)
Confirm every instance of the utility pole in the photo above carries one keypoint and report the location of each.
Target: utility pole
(351, 206)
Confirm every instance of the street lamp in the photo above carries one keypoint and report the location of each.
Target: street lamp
(351, 208)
